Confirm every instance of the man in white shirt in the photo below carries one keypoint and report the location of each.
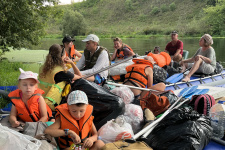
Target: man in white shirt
(94, 58)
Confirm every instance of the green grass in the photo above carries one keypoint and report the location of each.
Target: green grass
(26, 56)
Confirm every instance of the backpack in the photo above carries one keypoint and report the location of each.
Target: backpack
(219, 68)
(159, 74)
(155, 102)
(202, 103)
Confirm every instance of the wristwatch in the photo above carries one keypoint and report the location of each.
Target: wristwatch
(66, 131)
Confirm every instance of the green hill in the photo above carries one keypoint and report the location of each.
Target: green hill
(137, 17)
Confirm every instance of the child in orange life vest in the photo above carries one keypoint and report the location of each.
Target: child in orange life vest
(74, 123)
(28, 104)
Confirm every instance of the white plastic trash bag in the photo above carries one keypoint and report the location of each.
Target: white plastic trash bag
(112, 131)
(13, 140)
(125, 93)
(134, 115)
(120, 69)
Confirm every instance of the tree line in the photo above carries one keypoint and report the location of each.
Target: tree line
(24, 22)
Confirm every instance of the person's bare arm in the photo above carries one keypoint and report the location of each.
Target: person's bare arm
(43, 109)
(12, 118)
(114, 54)
(78, 54)
(90, 141)
(149, 73)
(77, 73)
(177, 52)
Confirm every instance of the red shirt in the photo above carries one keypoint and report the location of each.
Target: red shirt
(172, 49)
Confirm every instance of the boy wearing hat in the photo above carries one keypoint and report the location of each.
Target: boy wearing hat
(94, 58)
(175, 47)
(28, 104)
(74, 123)
(70, 48)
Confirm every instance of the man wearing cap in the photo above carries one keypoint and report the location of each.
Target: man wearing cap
(175, 47)
(70, 49)
(94, 58)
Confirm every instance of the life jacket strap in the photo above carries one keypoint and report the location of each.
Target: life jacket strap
(53, 101)
(46, 84)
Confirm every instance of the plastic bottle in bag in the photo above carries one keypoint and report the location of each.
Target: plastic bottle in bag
(217, 116)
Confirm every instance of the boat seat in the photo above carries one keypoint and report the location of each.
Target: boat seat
(185, 54)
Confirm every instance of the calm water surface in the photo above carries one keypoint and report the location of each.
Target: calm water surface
(141, 45)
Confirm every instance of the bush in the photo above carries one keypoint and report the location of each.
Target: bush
(172, 6)
(74, 24)
(129, 5)
(142, 17)
(155, 11)
(164, 8)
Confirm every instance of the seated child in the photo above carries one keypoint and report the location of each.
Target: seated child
(28, 104)
(74, 123)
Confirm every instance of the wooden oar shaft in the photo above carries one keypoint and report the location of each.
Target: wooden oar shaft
(106, 68)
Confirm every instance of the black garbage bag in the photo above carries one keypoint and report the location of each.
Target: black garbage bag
(159, 74)
(106, 105)
(182, 129)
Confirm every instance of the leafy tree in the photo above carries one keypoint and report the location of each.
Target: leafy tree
(74, 23)
(22, 22)
(216, 18)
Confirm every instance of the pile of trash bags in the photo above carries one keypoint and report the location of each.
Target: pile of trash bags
(125, 125)
(182, 128)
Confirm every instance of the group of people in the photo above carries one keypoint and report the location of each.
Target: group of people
(203, 61)
(74, 121)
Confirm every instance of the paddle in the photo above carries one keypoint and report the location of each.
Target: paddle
(185, 92)
(188, 90)
(176, 77)
(106, 68)
(129, 86)
(197, 92)
(147, 130)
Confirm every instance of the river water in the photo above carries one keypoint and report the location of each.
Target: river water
(141, 45)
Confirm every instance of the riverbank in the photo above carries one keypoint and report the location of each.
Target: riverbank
(138, 36)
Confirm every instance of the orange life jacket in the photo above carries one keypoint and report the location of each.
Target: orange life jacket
(136, 71)
(161, 59)
(82, 129)
(72, 53)
(120, 53)
(32, 112)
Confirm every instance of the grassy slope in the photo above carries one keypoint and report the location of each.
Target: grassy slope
(115, 17)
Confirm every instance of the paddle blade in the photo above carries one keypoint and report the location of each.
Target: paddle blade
(187, 91)
(197, 92)
(175, 78)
